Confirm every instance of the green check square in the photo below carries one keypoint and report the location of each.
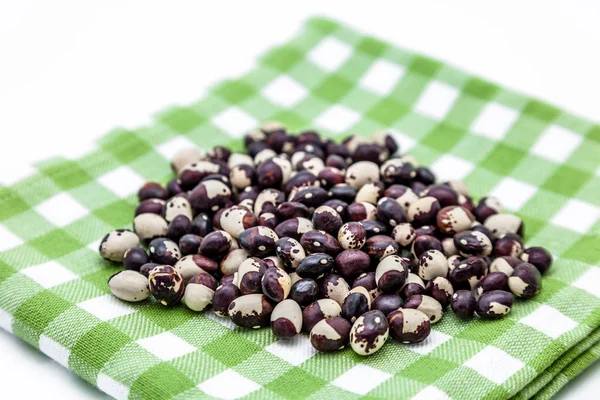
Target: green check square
(66, 174)
(410, 88)
(594, 133)
(34, 306)
(55, 244)
(567, 180)
(162, 380)
(5, 271)
(443, 137)
(427, 369)
(541, 110)
(76, 291)
(525, 131)
(425, 66)
(323, 25)
(464, 111)
(503, 159)
(481, 89)
(93, 195)
(181, 119)
(287, 384)
(485, 331)
(243, 348)
(272, 367)
(540, 362)
(372, 46)
(333, 88)
(194, 366)
(89, 360)
(551, 288)
(117, 214)
(99, 278)
(12, 204)
(455, 388)
(282, 58)
(28, 225)
(585, 249)
(167, 318)
(125, 146)
(234, 91)
(292, 120)
(387, 111)
(585, 156)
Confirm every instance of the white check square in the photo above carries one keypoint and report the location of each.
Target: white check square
(382, 77)
(6, 321)
(285, 91)
(434, 340)
(589, 281)
(61, 209)
(361, 379)
(576, 215)
(494, 121)
(235, 122)
(437, 100)
(512, 193)
(122, 181)
(169, 148)
(49, 274)
(94, 245)
(166, 346)
(549, 321)
(430, 393)
(295, 351)
(337, 119)
(556, 144)
(449, 167)
(228, 385)
(330, 54)
(494, 364)
(225, 321)
(111, 387)
(8, 240)
(54, 350)
(106, 307)
(405, 142)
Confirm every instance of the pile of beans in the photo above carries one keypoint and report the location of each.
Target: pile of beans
(350, 243)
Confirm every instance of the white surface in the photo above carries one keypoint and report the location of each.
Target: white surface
(71, 71)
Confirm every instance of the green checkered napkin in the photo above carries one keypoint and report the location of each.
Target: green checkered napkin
(543, 164)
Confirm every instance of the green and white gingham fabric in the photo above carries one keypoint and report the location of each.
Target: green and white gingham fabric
(542, 162)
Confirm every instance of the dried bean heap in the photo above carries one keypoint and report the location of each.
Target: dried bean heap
(349, 243)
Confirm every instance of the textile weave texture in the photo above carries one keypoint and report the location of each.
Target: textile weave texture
(541, 162)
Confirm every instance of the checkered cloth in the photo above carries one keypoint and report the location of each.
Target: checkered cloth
(540, 161)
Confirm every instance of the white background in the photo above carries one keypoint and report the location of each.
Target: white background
(70, 71)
